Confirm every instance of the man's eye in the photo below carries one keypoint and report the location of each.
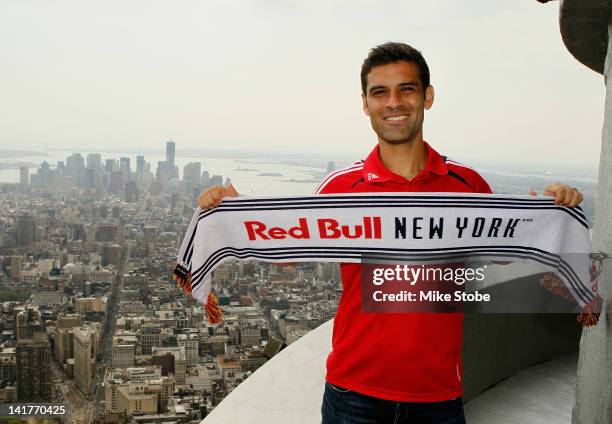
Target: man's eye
(378, 92)
(407, 89)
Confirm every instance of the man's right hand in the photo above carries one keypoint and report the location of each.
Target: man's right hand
(213, 196)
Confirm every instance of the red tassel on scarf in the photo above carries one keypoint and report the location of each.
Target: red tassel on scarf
(590, 313)
(182, 278)
(554, 284)
(213, 310)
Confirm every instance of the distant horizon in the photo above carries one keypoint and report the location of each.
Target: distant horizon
(276, 155)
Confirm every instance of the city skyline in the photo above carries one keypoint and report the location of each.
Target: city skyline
(89, 309)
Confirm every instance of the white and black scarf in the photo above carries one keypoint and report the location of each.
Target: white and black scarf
(414, 226)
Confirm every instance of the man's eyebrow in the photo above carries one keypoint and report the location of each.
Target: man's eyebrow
(376, 87)
(401, 84)
(409, 83)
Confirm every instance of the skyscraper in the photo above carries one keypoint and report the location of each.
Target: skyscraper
(161, 173)
(27, 322)
(170, 155)
(130, 192)
(34, 369)
(83, 358)
(90, 177)
(26, 230)
(24, 177)
(16, 262)
(150, 335)
(94, 161)
(192, 172)
(140, 167)
(117, 182)
(75, 167)
(124, 165)
(110, 166)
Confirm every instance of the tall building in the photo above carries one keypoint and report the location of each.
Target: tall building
(8, 357)
(117, 182)
(34, 369)
(107, 232)
(16, 262)
(94, 161)
(64, 344)
(27, 322)
(124, 166)
(44, 173)
(110, 165)
(150, 335)
(172, 360)
(170, 155)
(90, 178)
(75, 168)
(110, 253)
(123, 352)
(130, 192)
(64, 335)
(24, 177)
(140, 167)
(26, 230)
(190, 344)
(84, 357)
(205, 179)
(192, 172)
(216, 180)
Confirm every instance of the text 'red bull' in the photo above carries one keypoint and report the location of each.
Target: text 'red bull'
(328, 228)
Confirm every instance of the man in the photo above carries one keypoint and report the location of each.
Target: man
(395, 368)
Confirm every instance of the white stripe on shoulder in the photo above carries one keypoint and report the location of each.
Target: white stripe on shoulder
(452, 162)
(354, 167)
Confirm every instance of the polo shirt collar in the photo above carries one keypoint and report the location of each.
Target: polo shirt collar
(374, 171)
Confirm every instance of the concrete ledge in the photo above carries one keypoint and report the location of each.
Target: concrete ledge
(286, 389)
(289, 387)
(543, 394)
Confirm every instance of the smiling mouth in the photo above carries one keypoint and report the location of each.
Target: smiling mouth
(396, 118)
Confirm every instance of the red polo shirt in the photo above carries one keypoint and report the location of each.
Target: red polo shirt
(408, 357)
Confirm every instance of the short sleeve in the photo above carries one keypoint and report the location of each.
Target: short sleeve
(482, 186)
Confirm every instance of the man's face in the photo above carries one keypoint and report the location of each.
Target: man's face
(395, 101)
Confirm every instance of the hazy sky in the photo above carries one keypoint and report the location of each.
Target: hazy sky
(284, 75)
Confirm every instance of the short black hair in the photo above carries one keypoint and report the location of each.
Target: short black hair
(392, 52)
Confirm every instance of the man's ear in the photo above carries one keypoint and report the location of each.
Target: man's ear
(429, 97)
(364, 100)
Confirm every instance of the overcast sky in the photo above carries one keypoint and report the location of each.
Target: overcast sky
(284, 75)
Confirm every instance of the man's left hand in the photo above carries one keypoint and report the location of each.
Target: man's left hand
(564, 195)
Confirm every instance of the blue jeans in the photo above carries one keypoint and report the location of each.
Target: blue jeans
(343, 406)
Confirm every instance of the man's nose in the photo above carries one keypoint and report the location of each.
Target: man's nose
(394, 100)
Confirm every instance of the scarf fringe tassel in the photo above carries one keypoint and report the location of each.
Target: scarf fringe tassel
(553, 284)
(182, 278)
(213, 310)
(590, 313)
(214, 313)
